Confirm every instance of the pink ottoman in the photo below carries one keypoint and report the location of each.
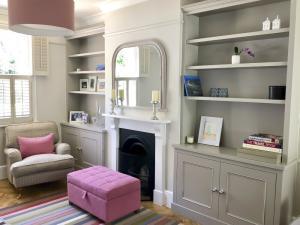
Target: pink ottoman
(104, 193)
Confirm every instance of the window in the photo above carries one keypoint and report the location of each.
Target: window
(15, 77)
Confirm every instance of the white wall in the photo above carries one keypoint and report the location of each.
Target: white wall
(150, 20)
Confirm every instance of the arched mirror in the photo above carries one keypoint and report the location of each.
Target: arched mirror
(138, 69)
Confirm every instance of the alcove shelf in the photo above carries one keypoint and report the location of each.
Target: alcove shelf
(87, 72)
(257, 35)
(238, 66)
(88, 54)
(86, 93)
(238, 100)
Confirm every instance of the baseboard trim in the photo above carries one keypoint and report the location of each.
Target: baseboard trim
(168, 199)
(3, 174)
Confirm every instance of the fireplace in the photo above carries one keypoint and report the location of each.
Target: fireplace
(137, 159)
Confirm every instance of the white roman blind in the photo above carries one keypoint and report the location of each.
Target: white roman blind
(22, 98)
(40, 61)
(5, 99)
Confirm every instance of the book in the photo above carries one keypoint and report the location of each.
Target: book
(192, 86)
(262, 148)
(268, 138)
(261, 143)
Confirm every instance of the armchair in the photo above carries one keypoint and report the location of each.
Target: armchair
(38, 168)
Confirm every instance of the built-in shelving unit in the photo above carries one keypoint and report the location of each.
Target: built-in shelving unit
(257, 35)
(238, 100)
(238, 66)
(85, 51)
(88, 54)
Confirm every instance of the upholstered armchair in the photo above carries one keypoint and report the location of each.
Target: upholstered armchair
(36, 169)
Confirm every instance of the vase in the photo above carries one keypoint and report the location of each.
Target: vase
(236, 59)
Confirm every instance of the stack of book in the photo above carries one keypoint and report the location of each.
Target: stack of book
(264, 142)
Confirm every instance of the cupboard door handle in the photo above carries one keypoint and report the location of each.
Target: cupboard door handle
(221, 192)
(214, 189)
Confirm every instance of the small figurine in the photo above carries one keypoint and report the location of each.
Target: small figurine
(267, 24)
(276, 24)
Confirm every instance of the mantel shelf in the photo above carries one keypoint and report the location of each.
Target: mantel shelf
(134, 118)
(237, 66)
(258, 35)
(87, 54)
(238, 100)
(86, 93)
(87, 72)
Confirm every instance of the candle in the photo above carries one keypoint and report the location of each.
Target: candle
(113, 94)
(121, 93)
(155, 95)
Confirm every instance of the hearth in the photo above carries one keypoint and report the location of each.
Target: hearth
(137, 158)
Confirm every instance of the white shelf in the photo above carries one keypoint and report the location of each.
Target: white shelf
(237, 66)
(258, 35)
(239, 100)
(86, 93)
(207, 7)
(87, 54)
(87, 33)
(87, 72)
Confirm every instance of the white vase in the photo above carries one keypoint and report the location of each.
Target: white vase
(236, 59)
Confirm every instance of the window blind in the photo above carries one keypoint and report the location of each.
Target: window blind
(22, 98)
(5, 99)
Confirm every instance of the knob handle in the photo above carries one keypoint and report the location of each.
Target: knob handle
(214, 189)
(221, 192)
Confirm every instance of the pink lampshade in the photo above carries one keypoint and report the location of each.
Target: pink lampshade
(41, 17)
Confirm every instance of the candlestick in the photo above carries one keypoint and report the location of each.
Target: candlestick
(154, 104)
(113, 104)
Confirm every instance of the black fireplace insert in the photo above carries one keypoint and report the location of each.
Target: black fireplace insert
(137, 159)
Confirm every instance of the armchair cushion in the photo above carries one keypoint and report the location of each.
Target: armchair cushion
(12, 155)
(37, 145)
(63, 149)
(41, 163)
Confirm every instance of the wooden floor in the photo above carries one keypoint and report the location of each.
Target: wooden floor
(9, 196)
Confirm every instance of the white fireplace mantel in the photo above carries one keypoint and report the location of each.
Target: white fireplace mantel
(157, 127)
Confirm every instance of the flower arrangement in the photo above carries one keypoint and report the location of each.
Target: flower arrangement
(247, 51)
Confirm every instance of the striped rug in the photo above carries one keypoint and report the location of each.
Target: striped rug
(56, 210)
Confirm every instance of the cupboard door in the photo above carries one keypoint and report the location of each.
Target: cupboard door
(71, 137)
(248, 196)
(91, 148)
(197, 184)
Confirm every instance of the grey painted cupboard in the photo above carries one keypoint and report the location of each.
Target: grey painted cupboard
(214, 187)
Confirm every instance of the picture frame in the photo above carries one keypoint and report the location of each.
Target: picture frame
(210, 130)
(84, 84)
(100, 85)
(92, 83)
(76, 117)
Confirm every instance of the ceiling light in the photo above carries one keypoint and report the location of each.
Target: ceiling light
(41, 18)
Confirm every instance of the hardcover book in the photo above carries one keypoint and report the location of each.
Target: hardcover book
(192, 86)
(268, 138)
(262, 148)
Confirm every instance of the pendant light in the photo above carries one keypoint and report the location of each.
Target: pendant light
(41, 17)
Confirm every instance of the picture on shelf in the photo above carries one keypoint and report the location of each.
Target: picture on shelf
(100, 85)
(92, 83)
(192, 85)
(210, 130)
(84, 84)
(77, 117)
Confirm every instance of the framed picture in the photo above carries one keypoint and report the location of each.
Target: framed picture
(77, 117)
(101, 85)
(92, 83)
(84, 83)
(210, 130)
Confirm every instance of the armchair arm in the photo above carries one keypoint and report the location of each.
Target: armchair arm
(63, 149)
(12, 155)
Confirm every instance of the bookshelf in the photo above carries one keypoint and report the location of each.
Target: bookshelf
(85, 50)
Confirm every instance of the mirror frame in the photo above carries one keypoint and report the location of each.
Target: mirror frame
(161, 50)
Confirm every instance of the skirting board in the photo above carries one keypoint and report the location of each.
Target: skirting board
(3, 174)
(163, 199)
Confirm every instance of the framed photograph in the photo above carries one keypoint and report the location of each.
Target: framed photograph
(77, 117)
(101, 85)
(92, 83)
(210, 130)
(84, 84)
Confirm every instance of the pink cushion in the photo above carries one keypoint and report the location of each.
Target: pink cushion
(37, 145)
(103, 182)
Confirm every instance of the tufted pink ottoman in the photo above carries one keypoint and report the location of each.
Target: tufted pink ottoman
(104, 193)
